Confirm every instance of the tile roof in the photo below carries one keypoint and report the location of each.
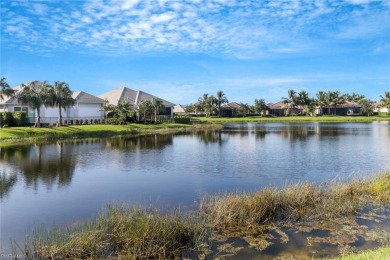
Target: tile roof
(83, 97)
(231, 106)
(133, 97)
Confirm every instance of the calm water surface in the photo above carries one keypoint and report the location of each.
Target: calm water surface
(62, 182)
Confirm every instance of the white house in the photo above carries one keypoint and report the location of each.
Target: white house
(134, 98)
(86, 107)
(378, 108)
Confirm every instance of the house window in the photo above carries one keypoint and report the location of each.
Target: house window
(23, 109)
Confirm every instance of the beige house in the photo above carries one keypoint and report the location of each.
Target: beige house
(134, 98)
(179, 110)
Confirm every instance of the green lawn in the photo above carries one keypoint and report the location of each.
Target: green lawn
(23, 133)
(382, 253)
(293, 119)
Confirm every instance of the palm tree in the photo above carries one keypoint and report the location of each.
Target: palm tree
(210, 105)
(334, 98)
(354, 97)
(35, 94)
(107, 108)
(221, 99)
(385, 100)
(290, 100)
(321, 100)
(62, 98)
(5, 90)
(122, 110)
(144, 108)
(244, 109)
(157, 106)
(303, 99)
(202, 101)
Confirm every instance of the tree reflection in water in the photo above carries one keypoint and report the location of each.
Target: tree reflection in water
(7, 181)
(157, 142)
(45, 164)
(211, 136)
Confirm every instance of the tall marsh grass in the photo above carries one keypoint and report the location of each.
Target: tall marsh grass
(119, 232)
(296, 202)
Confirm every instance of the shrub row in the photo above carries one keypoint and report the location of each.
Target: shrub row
(13, 119)
(182, 120)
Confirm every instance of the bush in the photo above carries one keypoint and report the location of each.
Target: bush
(18, 118)
(112, 121)
(183, 120)
(383, 114)
(6, 118)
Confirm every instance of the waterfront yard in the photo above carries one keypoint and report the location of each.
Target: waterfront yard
(23, 133)
(80, 131)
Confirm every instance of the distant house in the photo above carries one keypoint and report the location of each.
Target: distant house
(378, 108)
(348, 108)
(134, 98)
(179, 110)
(86, 107)
(232, 108)
(282, 109)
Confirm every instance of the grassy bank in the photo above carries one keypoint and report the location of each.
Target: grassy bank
(292, 119)
(79, 131)
(130, 233)
(382, 253)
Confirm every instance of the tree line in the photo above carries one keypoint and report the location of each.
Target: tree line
(211, 105)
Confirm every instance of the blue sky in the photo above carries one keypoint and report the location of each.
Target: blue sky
(179, 50)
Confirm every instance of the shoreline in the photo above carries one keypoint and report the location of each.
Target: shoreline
(17, 135)
(28, 134)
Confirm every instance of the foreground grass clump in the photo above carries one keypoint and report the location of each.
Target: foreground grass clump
(298, 202)
(380, 253)
(122, 233)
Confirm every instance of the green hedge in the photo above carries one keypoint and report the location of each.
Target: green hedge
(6, 118)
(183, 120)
(13, 118)
(18, 119)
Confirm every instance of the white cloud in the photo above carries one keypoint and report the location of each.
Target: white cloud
(39, 9)
(128, 4)
(242, 29)
(160, 18)
(361, 2)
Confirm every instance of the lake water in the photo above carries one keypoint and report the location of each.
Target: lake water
(63, 182)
